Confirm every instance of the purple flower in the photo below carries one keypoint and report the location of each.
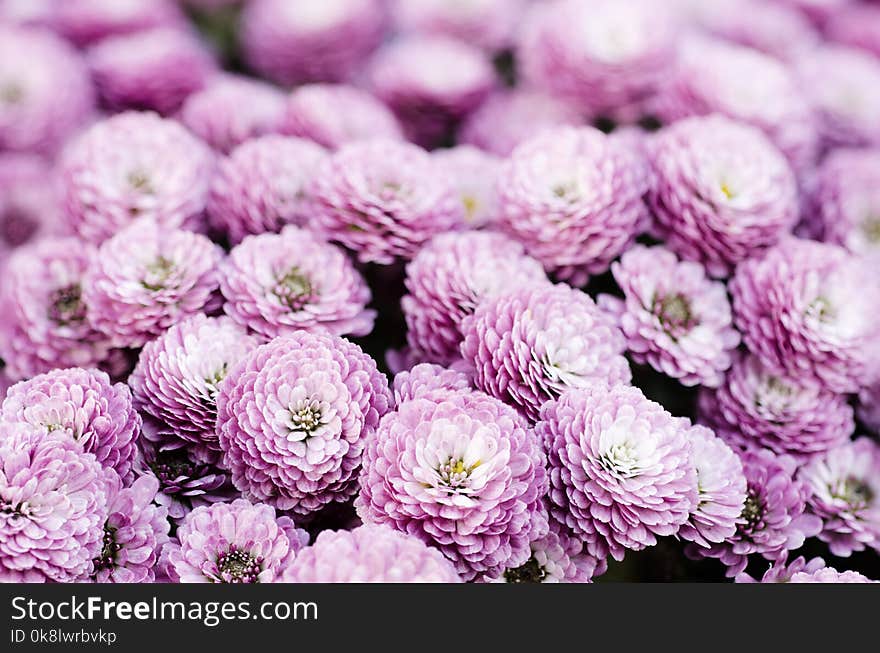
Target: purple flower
(53, 502)
(745, 85)
(293, 419)
(383, 199)
(259, 186)
(28, 209)
(134, 165)
(431, 82)
(84, 406)
(621, 472)
(87, 21)
(808, 309)
(230, 110)
(830, 575)
(781, 571)
(428, 381)
(757, 407)
(721, 489)
(278, 284)
(134, 533)
(310, 40)
(858, 26)
(147, 278)
(450, 277)
(608, 56)
(464, 473)
(508, 118)
(844, 485)
(672, 316)
(154, 69)
(474, 175)
(43, 324)
(773, 520)
(333, 115)
(529, 346)
(369, 554)
(721, 191)
(238, 542)
(178, 374)
(43, 102)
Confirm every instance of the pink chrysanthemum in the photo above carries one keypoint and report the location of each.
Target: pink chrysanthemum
(474, 175)
(464, 473)
(808, 309)
(179, 373)
(238, 542)
(310, 40)
(844, 485)
(134, 165)
(428, 381)
(781, 570)
(449, 278)
(672, 316)
(87, 21)
(383, 199)
(86, 407)
(573, 197)
(278, 284)
(369, 554)
(259, 187)
(147, 278)
(529, 346)
(830, 575)
(335, 114)
(294, 417)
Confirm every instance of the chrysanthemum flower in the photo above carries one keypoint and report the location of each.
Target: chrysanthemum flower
(809, 309)
(428, 381)
(154, 69)
(369, 554)
(608, 56)
(383, 199)
(489, 24)
(713, 76)
(86, 407)
(45, 91)
(449, 278)
(134, 533)
(858, 26)
(278, 284)
(463, 473)
(335, 114)
(259, 186)
(147, 278)
(134, 165)
(310, 40)
(474, 175)
(431, 82)
(294, 417)
(830, 575)
(236, 542)
(573, 197)
(756, 407)
(88, 21)
(672, 316)
(621, 469)
(774, 518)
(844, 485)
(508, 118)
(529, 346)
(781, 570)
(53, 503)
(178, 374)
(231, 109)
(28, 209)
(721, 193)
(44, 322)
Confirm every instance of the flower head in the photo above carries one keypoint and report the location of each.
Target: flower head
(830, 575)
(781, 570)
(428, 381)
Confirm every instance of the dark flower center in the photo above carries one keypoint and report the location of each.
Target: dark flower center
(140, 181)
(674, 312)
(294, 289)
(855, 492)
(16, 227)
(66, 307)
(871, 229)
(170, 466)
(11, 509)
(530, 572)
(107, 558)
(238, 566)
(753, 511)
(11, 93)
(306, 418)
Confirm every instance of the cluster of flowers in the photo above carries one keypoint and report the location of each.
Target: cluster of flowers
(185, 311)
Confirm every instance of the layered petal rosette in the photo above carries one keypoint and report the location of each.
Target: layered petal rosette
(294, 417)
(474, 175)
(573, 197)
(621, 468)
(278, 284)
(146, 279)
(369, 554)
(134, 165)
(721, 193)
(529, 346)
(382, 199)
(428, 381)
(830, 575)
(450, 277)
(782, 570)
(464, 473)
